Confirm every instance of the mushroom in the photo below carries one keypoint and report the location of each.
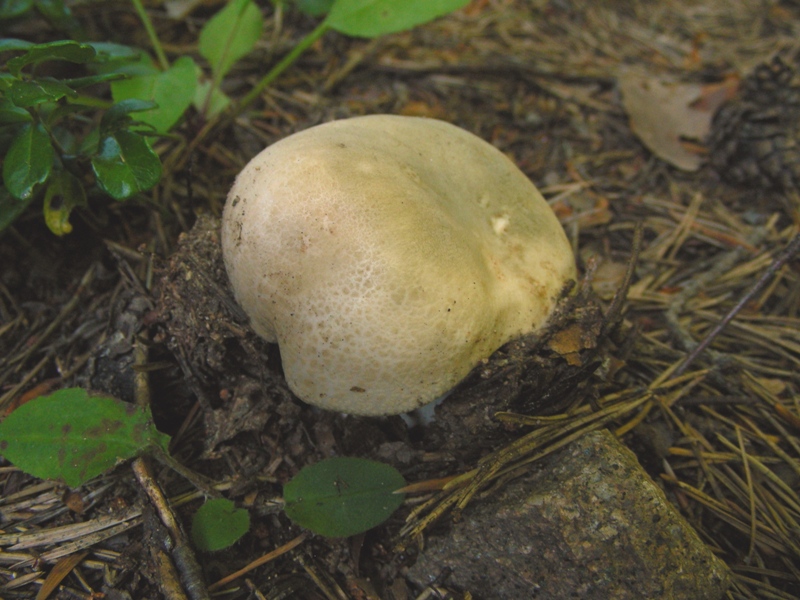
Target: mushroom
(387, 256)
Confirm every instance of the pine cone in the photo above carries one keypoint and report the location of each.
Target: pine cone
(755, 138)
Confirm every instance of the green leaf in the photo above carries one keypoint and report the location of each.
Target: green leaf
(14, 8)
(113, 59)
(110, 52)
(25, 93)
(9, 44)
(88, 145)
(74, 436)
(231, 34)
(10, 113)
(125, 164)
(60, 17)
(60, 50)
(373, 18)
(314, 8)
(81, 82)
(340, 497)
(64, 192)
(119, 114)
(28, 162)
(10, 208)
(6, 79)
(172, 91)
(219, 524)
(214, 104)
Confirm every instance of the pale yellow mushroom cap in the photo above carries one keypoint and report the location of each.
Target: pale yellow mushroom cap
(387, 256)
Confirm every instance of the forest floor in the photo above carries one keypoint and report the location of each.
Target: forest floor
(570, 91)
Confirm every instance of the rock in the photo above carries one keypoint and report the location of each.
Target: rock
(589, 523)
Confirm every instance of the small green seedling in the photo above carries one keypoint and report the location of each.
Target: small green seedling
(227, 37)
(73, 436)
(218, 524)
(357, 18)
(49, 146)
(43, 119)
(340, 497)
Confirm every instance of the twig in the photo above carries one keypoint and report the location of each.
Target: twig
(615, 309)
(788, 253)
(181, 551)
(178, 545)
(269, 556)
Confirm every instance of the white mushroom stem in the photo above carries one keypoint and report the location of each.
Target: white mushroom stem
(387, 255)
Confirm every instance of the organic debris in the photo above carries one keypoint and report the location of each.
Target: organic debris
(719, 432)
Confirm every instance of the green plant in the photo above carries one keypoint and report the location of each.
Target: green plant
(46, 123)
(356, 18)
(54, 11)
(51, 143)
(74, 436)
(218, 524)
(228, 36)
(341, 496)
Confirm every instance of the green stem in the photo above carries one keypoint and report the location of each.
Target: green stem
(216, 80)
(90, 101)
(284, 64)
(151, 33)
(202, 483)
(223, 121)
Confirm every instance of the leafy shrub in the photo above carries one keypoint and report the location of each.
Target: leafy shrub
(45, 122)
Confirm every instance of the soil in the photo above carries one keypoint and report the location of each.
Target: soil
(136, 298)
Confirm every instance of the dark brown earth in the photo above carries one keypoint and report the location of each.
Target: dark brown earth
(539, 80)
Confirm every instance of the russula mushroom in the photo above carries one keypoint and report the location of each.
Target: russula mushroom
(387, 256)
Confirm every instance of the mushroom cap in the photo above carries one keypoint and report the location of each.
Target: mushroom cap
(387, 256)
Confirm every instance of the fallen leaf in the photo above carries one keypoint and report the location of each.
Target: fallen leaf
(774, 386)
(416, 108)
(608, 278)
(714, 95)
(61, 569)
(662, 115)
(569, 342)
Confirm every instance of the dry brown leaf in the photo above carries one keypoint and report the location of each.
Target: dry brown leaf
(608, 278)
(61, 569)
(569, 341)
(663, 114)
(714, 95)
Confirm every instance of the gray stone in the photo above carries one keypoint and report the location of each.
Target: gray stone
(589, 523)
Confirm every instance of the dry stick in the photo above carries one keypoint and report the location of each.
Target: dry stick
(87, 278)
(17, 389)
(188, 570)
(615, 309)
(695, 285)
(751, 496)
(168, 575)
(269, 556)
(788, 253)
